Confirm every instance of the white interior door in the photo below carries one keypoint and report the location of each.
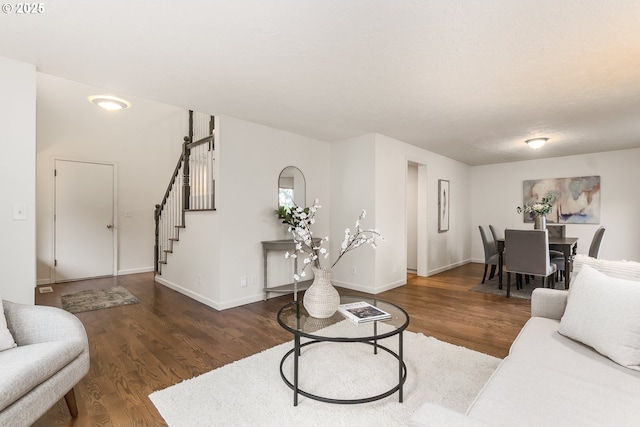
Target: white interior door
(83, 220)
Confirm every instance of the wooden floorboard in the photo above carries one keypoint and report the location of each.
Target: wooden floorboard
(168, 337)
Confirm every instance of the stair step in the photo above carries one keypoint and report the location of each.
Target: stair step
(168, 251)
(179, 226)
(162, 262)
(174, 239)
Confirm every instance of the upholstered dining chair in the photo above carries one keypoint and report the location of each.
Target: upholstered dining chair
(491, 256)
(527, 253)
(557, 257)
(557, 230)
(594, 250)
(596, 242)
(494, 233)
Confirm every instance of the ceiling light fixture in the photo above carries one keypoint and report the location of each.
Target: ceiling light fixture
(536, 142)
(109, 102)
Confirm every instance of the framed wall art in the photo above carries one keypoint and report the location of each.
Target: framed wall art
(576, 200)
(443, 205)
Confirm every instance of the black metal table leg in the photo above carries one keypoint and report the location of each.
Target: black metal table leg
(400, 366)
(295, 370)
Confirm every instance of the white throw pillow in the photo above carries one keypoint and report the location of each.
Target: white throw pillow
(629, 270)
(604, 313)
(6, 339)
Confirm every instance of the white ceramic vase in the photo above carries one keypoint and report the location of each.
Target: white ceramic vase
(321, 299)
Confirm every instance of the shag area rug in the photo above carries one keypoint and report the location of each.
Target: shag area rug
(250, 392)
(97, 299)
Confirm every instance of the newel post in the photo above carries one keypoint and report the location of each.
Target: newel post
(156, 256)
(186, 151)
(186, 188)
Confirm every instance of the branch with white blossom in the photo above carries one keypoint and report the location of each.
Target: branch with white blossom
(309, 250)
(361, 237)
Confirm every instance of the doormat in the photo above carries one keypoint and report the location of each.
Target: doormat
(97, 299)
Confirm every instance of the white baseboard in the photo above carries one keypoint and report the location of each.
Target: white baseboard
(135, 271)
(48, 281)
(368, 290)
(448, 267)
(208, 301)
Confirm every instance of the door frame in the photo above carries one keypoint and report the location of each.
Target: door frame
(52, 267)
(422, 246)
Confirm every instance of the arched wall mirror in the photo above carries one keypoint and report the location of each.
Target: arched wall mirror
(291, 187)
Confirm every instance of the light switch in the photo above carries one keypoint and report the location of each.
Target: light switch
(19, 211)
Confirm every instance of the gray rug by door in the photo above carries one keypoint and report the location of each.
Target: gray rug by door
(97, 299)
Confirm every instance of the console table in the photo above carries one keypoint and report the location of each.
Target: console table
(282, 245)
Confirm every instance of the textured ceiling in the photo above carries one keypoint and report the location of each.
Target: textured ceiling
(466, 79)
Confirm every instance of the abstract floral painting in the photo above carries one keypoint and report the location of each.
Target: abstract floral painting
(576, 200)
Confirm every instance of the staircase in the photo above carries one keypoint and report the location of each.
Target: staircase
(191, 187)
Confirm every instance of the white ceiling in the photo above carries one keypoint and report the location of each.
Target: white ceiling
(466, 79)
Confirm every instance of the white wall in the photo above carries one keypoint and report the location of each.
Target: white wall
(250, 158)
(18, 183)
(444, 250)
(497, 191)
(144, 142)
(352, 190)
(372, 170)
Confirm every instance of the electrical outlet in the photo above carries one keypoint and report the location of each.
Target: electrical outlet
(354, 270)
(395, 268)
(243, 281)
(254, 280)
(199, 279)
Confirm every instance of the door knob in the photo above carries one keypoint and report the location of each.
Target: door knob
(109, 226)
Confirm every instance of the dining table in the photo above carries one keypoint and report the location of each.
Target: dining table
(567, 245)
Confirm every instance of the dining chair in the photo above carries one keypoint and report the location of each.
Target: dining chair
(494, 233)
(527, 253)
(557, 230)
(594, 249)
(557, 257)
(491, 256)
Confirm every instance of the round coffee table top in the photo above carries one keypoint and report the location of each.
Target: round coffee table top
(294, 318)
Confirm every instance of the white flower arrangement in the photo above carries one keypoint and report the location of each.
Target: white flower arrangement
(310, 251)
(542, 207)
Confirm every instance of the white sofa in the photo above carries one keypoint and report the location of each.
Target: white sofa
(44, 352)
(549, 379)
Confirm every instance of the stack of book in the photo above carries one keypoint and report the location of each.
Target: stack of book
(362, 312)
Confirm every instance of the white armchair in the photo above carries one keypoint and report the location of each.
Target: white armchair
(51, 356)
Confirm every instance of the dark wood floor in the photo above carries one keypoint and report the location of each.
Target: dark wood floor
(140, 348)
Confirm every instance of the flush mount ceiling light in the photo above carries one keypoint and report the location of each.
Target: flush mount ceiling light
(536, 142)
(109, 102)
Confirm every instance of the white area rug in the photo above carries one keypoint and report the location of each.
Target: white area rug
(250, 392)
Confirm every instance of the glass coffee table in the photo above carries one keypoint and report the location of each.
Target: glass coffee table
(294, 318)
